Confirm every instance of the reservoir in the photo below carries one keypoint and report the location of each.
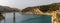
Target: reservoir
(26, 18)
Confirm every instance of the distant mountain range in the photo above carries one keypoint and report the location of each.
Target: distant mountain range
(8, 9)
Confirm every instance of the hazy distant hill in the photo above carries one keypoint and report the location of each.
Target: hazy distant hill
(8, 9)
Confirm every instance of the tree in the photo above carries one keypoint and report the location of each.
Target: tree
(44, 8)
(54, 6)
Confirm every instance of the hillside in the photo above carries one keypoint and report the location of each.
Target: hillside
(44, 8)
(8, 9)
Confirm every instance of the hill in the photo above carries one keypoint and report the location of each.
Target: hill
(8, 9)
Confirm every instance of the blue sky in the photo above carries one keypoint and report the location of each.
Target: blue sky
(21, 4)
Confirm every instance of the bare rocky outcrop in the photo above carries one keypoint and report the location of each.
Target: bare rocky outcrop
(1, 16)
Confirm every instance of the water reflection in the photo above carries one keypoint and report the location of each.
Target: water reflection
(2, 17)
(14, 17)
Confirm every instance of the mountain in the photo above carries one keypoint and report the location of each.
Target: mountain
(8, 9)
(42, 9)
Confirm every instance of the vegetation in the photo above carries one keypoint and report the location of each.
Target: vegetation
(27, 9)
(55, 6)
(44, 8)
(50, 7)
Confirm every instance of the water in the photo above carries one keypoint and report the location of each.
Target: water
(26, 18)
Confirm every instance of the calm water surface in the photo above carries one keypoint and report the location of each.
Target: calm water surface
(26, 18)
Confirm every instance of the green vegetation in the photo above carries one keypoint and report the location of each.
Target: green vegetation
(27, 9)
(50, 7)
(54, 6)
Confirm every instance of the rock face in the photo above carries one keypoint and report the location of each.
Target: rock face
(1, 16)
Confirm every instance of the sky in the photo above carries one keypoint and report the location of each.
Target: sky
(21, 4)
